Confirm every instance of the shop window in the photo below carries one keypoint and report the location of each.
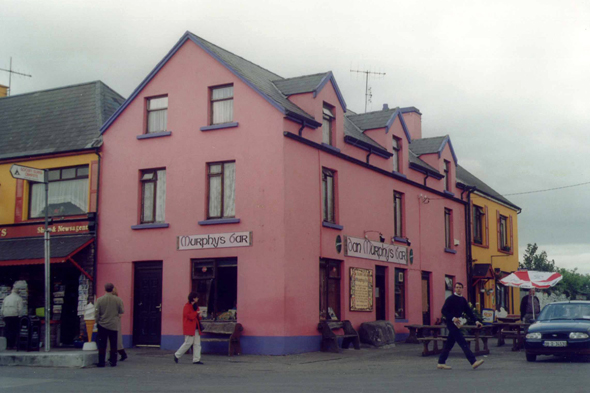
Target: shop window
(329, 290)
(396, 154)
(216, 282)
(68, 193)
(222, 190)
(153, 196)
(398, 214)
(400, 294)
(502, 297)
(222, 104)
(328, 197)
(327, 125)
(157, 114)
(449, 286)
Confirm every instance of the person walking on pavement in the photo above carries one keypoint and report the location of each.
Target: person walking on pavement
(530, 307)
(108, 310)
(191, 328)
(12, 310)
(120, 348)
(453, 309)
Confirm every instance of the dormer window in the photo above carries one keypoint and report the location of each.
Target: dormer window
(328, 117)
(396, 144)
(447, 176)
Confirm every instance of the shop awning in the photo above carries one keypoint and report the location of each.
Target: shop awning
(482, 272)
(31, 251)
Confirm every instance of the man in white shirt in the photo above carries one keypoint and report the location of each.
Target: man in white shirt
(12, 309)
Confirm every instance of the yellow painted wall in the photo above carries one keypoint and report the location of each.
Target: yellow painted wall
(505, 262)
(8, 183)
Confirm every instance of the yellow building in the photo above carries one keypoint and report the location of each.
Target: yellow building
(58, 131)
(493, 234)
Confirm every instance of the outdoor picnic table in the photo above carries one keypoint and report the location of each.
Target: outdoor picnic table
(432, 333)
(515, 330)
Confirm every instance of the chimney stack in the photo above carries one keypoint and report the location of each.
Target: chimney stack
(385, 107)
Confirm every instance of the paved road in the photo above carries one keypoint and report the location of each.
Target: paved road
(398, 369)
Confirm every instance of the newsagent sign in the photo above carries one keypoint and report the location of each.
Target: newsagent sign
(367, 249)
(218, 240)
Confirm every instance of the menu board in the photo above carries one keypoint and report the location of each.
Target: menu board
(361, 289)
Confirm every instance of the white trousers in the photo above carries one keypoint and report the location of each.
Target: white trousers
(195, 341)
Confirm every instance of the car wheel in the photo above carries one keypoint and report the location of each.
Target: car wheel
(530, 357)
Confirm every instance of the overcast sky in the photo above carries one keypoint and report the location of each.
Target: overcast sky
(507, 80)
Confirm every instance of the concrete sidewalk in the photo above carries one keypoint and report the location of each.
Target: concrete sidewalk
(55, 358)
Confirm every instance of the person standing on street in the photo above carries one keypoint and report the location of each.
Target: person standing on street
(12, 309)
(108, 309)
(120, 348)
(191, 328)
(528, 304)
(453, 309)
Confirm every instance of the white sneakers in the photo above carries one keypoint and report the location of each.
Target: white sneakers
(443, 367)
(477, 364)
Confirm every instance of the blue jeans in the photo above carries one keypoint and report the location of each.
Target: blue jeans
(455, 336)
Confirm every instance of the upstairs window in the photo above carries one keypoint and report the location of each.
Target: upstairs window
(447, 176)
(398, 214)
(327, 124)
(504, 233)
(478, 224)
(68, 193)
(153, 196)
(448, 229)
(222, 104)
(222, 190)
(396, 144)
(328, 195)
(157, 114)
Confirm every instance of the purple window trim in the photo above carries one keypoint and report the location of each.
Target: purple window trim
(331, 147)
(450, 251)
(220, 126)
(449, 193)
(220, 221)
(149, 226)
(332, 226)
(154, 135)
(400, 239)
(401, 320)
(442, 147)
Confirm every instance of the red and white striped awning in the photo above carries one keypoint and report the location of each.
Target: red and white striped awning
(530, 279)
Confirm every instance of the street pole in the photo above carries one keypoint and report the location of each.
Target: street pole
(47, 266)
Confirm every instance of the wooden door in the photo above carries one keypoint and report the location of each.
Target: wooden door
(147, 310)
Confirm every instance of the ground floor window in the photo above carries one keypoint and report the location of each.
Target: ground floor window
(449, 286)
(329, 289)
(502, 297)
(400, 294)
(216, 282)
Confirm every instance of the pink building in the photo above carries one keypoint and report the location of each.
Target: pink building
(275, 203)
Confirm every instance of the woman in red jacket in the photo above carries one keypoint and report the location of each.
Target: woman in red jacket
(191, 328)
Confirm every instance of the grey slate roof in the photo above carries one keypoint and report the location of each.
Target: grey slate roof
(351, 130)
(260, 77)
(56, 120)
(32, 248)
(427, 145)
(465, 177)
(372, 120)
(414, 159)
(300, 84)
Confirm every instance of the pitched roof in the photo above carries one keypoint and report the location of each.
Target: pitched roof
(33, 248)
(415, 161)
(258, 78)
(354, 136)
(433, 145)
(300, 84)
(465, 177)
(56, 120)
(372, 120)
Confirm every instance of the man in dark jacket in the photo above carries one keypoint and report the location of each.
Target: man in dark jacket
(453, 309)
(527, 312)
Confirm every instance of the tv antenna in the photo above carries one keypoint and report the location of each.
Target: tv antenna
(10, 72)
(368, 93)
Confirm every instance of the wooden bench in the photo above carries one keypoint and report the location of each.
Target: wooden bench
(442, 339)
(224, 331)
(330, 339)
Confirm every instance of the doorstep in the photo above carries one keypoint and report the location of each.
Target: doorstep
(55, 358)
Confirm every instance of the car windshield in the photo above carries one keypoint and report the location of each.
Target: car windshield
(565, 311)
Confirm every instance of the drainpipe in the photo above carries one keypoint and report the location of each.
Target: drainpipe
(300, 132)
(471, 291)
(96, 225)
(426, 178)
(369, 155)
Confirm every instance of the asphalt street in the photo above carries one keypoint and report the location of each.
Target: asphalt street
(399, 369)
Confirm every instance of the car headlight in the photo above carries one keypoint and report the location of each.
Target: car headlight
(578, 335)
(534, 336)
